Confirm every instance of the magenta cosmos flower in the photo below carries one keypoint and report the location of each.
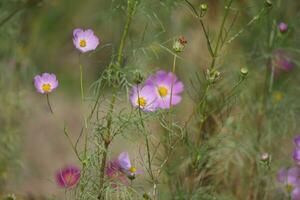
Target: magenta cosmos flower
(144, 97)
(167, 87)
(85, 40)
(281, 62)
(283, 27)
(127, 167)
(68, 177)
(290, 179)
(296, 152)
(45, 83)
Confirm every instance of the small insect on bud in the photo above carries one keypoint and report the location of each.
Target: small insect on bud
(268, 3)
(244, 72)
(179, 44)
(212, 75)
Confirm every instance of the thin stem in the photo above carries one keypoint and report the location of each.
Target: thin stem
(81, 83)
(106, 141)
(48, 102)
(131, 6)
(215, 53)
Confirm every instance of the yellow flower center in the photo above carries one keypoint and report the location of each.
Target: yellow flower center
(289, 188)
(163, 91)
(142, 102)
(82, 43)
(132, 169)
(69, 178)
(46, 87)
(278, 96)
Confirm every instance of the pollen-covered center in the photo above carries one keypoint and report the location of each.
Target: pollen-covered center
(69, 178)
(132, 169)
(82, 43)
(141, 101)
(46, 87)
(163, 91)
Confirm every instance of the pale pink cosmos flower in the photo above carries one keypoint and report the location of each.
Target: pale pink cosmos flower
(115, 173)
(126, 166)
(45, 83)
(85, 40)
(68, 177)
(167, 88)
(144, 97)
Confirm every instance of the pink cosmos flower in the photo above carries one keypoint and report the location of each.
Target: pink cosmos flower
(85, 40)
(68, 177)
(115, 173)
(290, 180)
(45, 83)
(126, 166)
(144, 97)
(167, 87)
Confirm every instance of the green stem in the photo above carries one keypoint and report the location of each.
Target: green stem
(215, 53)
(48, 102)
(131, 6)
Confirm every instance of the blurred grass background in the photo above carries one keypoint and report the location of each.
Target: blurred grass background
(36, 36)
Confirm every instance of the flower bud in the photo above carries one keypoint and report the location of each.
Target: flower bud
(10, 197)
(265, 159)
(212, 75)
(138, 78)
(268, 3)
(203, 7)
(244, 72)
(283, 27)
(179, 44)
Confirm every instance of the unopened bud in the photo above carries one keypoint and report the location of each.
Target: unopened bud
(265, 160)
(212, 75)
(138, 78)
(268, 3)
(283, 27)
(244, 72)
(179, 44)
(203, 7)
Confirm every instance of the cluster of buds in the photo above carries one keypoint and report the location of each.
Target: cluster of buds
(179, 44)
(212, 75)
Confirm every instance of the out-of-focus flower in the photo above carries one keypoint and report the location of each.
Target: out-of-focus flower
(283, 27)
(179, 44)
(127, 167)
(144, 97)
(295, 195)
(45, 83)
(281, 62)
(277, 96)
(85, 40)
(68, 177)
(296, 155)
(290, 179)
(167, 88)
(115, 173)
(297, 141)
